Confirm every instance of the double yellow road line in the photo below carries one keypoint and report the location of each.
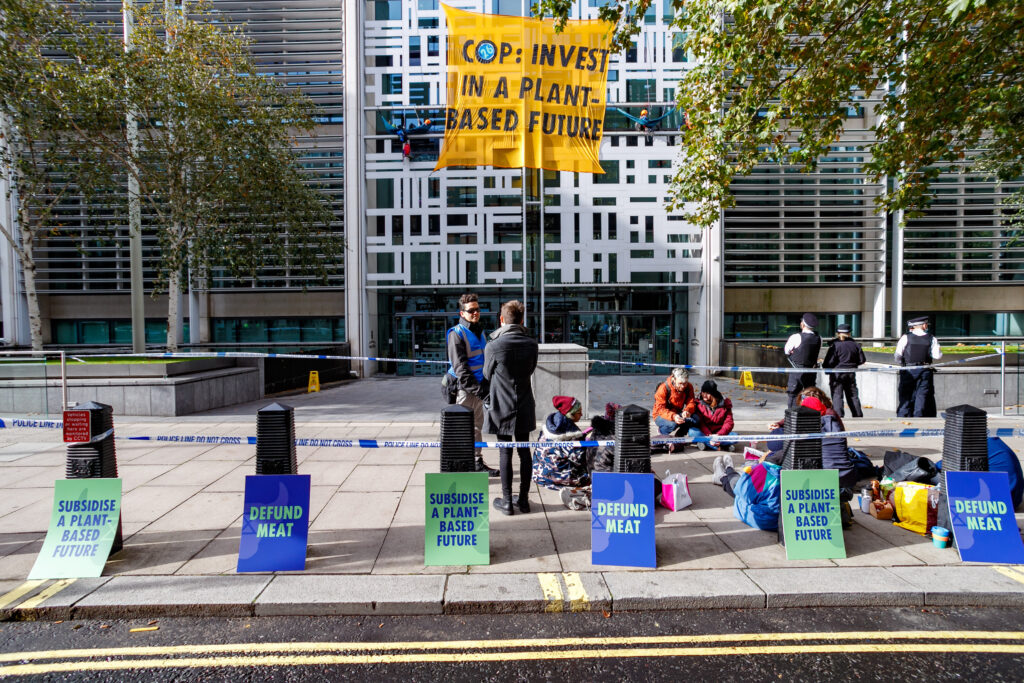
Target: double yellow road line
(456, 651)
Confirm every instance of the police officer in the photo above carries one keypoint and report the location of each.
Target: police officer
(844, 352)
(802, 349)
(466, 343)
(916, 350)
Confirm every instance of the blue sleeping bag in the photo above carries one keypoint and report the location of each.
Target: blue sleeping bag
(1002, 459)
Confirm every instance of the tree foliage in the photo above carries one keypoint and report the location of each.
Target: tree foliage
(51, 108)
(773, 81)
(218, 176)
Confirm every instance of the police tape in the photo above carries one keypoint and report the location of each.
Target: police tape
(592, 361)
(202, 439)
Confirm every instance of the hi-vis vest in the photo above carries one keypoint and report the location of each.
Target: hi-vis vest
(474, 351)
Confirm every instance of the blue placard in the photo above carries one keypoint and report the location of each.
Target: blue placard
(981, 515)
(275, 523)
(622, 520)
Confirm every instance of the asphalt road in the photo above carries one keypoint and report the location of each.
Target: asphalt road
(905, 644)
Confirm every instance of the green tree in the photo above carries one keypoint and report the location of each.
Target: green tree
(215, 157)
(54, 79)
(773, 81)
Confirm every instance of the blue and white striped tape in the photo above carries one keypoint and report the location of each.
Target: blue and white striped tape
(637, 364)
(1002, 432)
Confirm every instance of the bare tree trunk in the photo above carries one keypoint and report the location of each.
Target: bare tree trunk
(28, 268)
(173, 314)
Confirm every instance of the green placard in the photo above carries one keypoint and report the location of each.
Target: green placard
(82, 529)
(810, 515)
(457, 525)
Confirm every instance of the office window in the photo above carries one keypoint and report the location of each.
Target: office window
(414, 50)
(611, 172)
(433, 44)
(419, 268)
(678, 47)
(392, 84)
(387, 10)
(640, 90)
(385, 193)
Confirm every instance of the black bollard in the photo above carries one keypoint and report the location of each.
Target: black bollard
(800, 454)
(632, 440)
(96, 458)
(458, 454)
(275, 440)
(964, 449)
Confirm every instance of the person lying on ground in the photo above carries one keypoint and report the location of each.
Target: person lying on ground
(559, 465)
(755, 490)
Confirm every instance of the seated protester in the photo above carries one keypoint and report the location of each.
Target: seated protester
(1002, 459)
(558, 466)
(756, 491)
(714, 416)
(674, 404)
(599, 459)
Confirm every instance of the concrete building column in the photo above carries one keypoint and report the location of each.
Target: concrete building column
(13, 306)
(711, 300)
(357, 324)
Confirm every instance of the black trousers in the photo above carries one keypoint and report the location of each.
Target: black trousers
(917, 393)
(525, 467)
(845, 383)
(797, 383)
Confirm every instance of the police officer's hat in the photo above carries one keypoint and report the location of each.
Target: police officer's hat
(810, 320)
(843, 327)
(914, 322)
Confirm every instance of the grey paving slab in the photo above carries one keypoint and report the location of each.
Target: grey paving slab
(34, 517)
(13, 499)
(357, 510)
(149, 503)
(394, 456)
(158, 552)
(915, 545)
(232, 452)
(756, 548)
(205, 510)
(234, 480)
(134, 476)
(326, 472)
(864, 548)
(411, 508)
(721, 588)
(710, 502)
(692, 547)
(377, 478)
(343, 595)
(349, 551)
(219, 556)
(32, 477)
(966, 585)
(503, 593)
(194, 473)
(140, 596)
(835, 587)
(57, 599)
(520, 550)
(544, 592)
(170, 454)
(18, 563)
(402, 553)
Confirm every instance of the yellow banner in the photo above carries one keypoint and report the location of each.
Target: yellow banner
(520, 94)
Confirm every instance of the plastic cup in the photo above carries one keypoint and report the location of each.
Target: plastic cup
(940, 536)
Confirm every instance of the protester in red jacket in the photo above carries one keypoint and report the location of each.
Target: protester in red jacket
(674, 404)
(714, 415)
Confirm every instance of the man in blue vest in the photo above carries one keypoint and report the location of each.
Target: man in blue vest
(802, 349)
(916, 350)
(466, 343)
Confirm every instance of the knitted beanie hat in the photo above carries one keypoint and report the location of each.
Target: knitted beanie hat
(565, 404)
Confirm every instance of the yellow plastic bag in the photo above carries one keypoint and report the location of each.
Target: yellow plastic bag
(911, 502)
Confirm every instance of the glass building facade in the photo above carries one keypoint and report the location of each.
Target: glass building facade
(597, 259)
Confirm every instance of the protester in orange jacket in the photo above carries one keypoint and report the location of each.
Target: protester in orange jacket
(674, 404)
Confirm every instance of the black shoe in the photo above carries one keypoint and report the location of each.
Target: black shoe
(481, 466)
(503, 505)
(523, 503)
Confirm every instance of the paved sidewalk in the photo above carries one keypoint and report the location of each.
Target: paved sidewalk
(182, 509)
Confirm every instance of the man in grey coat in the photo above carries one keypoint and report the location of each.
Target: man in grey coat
(509, 361)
